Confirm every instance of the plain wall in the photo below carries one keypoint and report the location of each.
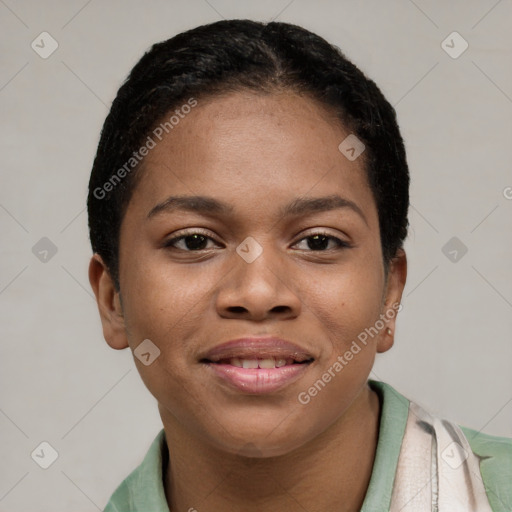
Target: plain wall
(61, 383)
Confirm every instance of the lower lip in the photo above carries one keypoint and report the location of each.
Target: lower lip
(259, 380)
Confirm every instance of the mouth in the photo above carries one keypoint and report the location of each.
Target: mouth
(257, 361)
(257, 366)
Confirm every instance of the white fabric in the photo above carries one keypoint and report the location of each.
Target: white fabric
(437, 470)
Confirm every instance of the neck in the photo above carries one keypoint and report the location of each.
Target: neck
(331, 472)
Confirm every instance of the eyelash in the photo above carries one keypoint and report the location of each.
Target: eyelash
(341, 244)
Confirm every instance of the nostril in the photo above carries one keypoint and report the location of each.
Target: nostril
(237, 309)
(280, 309)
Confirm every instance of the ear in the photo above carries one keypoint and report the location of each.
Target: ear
(109, 303)
(393, 295)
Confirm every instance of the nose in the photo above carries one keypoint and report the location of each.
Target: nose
(262, 289)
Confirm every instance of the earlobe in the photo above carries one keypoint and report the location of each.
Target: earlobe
(386, 338)
(109, 304)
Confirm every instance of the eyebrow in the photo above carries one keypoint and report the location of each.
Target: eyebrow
(209, 205)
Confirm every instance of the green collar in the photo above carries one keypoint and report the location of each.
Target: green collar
(393, 418)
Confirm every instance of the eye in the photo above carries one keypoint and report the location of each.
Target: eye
(320, 240)
(192, 241)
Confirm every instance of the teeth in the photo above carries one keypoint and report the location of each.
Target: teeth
(260, 363)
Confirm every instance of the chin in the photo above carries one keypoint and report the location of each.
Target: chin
(262, 439)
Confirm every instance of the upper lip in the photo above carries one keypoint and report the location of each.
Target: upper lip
(257, 348)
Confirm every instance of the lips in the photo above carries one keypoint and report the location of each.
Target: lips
(257, 349)
(258, 365)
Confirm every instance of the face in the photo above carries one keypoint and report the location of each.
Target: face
(256, 258)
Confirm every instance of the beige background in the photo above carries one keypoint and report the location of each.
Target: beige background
(62, 384)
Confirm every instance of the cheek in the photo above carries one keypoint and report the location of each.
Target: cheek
(345, 301)
(164, 305)
(162, 296)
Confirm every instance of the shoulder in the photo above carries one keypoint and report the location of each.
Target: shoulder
(143, 488)
(489, 465)
(495, 454)
(121, 499)
(485, 445)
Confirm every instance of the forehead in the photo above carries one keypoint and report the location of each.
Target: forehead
(244, 145)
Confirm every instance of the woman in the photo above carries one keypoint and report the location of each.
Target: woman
(247, 211)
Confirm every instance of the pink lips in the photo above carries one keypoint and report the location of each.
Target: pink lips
(291, 362)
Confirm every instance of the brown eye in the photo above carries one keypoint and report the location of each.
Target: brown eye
(191, 242)
(320, 242)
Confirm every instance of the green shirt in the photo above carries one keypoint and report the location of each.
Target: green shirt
(143, 490)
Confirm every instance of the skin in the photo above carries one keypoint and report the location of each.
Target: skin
(230, 450)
